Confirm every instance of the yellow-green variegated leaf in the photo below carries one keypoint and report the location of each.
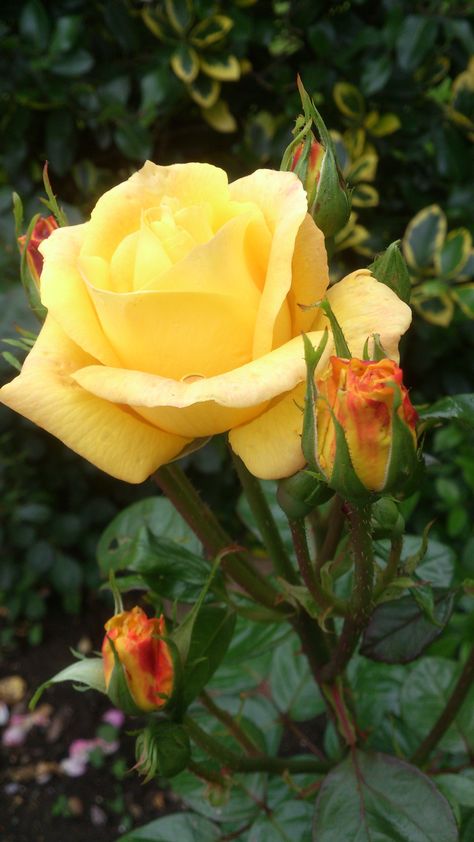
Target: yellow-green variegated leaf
(342, 153)
(384, 125)
(211, 31)
(365, 196)
(205, 91)
(157, 26)
(467, 272)
(355, 142)
(180, 14)
(363, 169)
(424, 236)
(221, 67)
(351, 235)
(219, 117)
(454, 253)
(464, 298)
(185, 63)
(349, 100)
(433, 303)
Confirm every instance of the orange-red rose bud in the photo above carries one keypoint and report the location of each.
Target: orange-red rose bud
(41, 231)
(146, 660)
(363, 397)
(308, 166)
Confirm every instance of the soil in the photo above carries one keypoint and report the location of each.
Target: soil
(38, 802)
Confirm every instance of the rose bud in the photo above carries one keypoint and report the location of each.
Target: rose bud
(43, 227)
(315, 163)
(366, 439)
(134, 643)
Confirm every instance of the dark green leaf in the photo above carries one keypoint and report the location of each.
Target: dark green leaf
(180, 827)
(423, 237)
(424, 695)
(375, 74)
(416, 38)
(34, 24)
(399, 631)
(292, 685)
(378, 797)
(211, 636)
(124, 544)
(459, 407)
(73, 64)
(172, 571)
(134, 140)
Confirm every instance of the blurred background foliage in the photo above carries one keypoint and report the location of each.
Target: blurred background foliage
(96, 87)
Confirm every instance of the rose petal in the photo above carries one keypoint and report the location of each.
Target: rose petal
(363, 306)
(65, 294)
(111, 437)
(282, 200)
(118, 212)
(270, 445)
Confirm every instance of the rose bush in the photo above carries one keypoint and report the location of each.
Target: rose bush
(176, 313)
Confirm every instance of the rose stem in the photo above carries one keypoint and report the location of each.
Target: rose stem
(240, 763)
(361, 601)
(178, 488)
(335, 526)
(443, 722)
(229, 722)
(322, 599)
(391, 568)
(265, 521)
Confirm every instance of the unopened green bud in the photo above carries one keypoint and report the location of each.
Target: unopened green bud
(387, 522)
(300, 494)
(390, 269)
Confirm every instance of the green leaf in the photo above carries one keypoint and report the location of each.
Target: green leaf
(449, 261)
(399, 631)
(349, 100)
(292, 686)
(212, 634)
(73, 64)
(455, 407)
(424, 236)
(464, 298)
(240, 802)
(211, 30)
(185, 827)
(378, 797)
(88, 672)
(118, 690)
(249, 655)
(424, 695)
(172, 571)
(436, 566)
(180, 14)
(182, 634)
(185, 63)
(309, 436)
(375, 74)
(34, 25)
(134, 140)
(456, 788)
(205, 91)
(417, 37)
(390, 269)
(290, 820)
(124, 544)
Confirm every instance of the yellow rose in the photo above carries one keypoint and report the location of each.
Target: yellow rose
(176, 312)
